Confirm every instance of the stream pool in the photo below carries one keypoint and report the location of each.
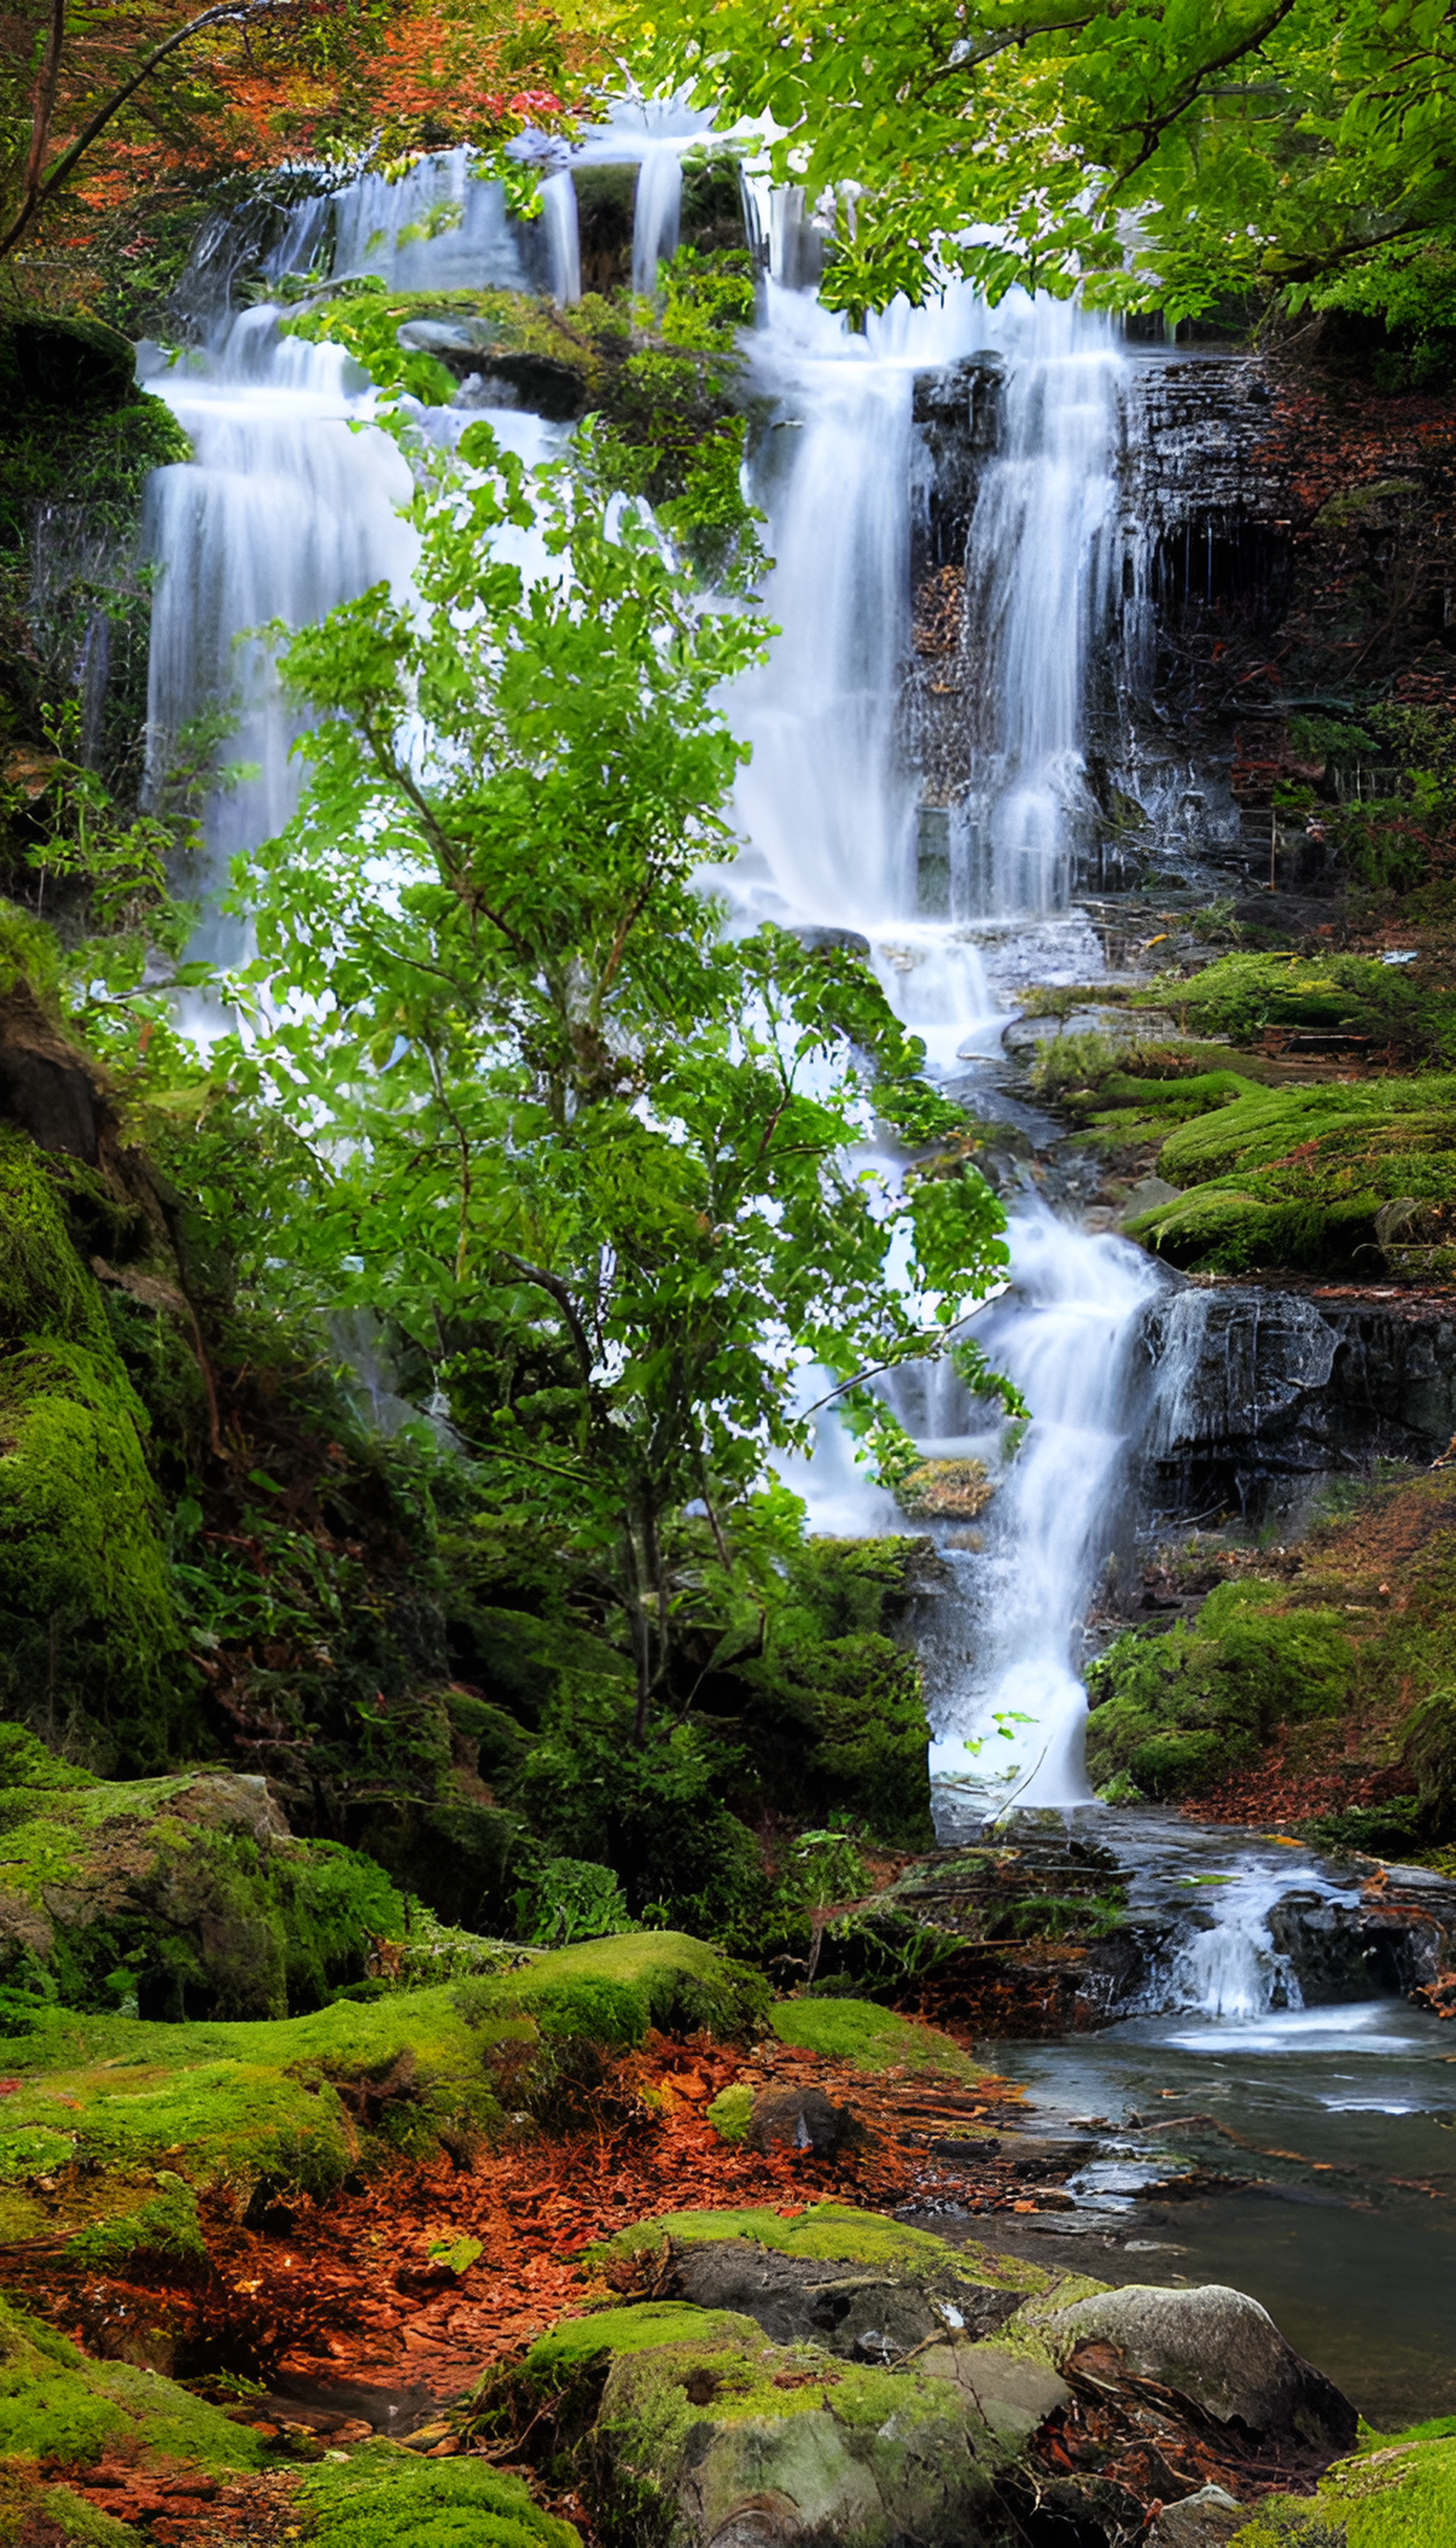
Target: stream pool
(1251, 2123)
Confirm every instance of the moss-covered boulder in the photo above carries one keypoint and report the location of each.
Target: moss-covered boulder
(747, 2400)
(695, 2428)
(859, 2286)
(183, 1896)
(1174, 1713)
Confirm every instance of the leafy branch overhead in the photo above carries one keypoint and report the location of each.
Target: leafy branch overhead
(1168, 155)
(593, 1161)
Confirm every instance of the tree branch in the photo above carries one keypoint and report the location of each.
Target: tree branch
(39, 190)
(553, 1284)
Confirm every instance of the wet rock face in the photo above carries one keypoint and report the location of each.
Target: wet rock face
(1260, 1389)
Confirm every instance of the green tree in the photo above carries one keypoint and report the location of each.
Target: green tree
(1165, 153)
(590, 1157)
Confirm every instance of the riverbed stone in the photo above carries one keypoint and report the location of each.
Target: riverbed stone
(1221, 2349)
(1202, 2520)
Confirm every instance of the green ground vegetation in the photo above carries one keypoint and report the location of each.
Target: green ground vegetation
(1323, 1176)
(384, 2497)
(128, 2113)
(1171, 1713)
(874, 2039)
(58, 2406)
(1344, 1650)
(1399, 2492)
(90, 1645)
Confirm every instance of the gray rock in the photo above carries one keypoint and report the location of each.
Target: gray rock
(1203, 2520)
(806, 2118)
(851, 2312)
(1025, 1037)
(1221, 2349)
(1146, 1195)
(442, 336)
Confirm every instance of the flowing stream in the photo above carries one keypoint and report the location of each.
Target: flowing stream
(1338, 2108)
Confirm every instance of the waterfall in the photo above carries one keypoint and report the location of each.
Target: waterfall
(284, 513)
(1063, 1334)
(1039, 590)
(288, 510)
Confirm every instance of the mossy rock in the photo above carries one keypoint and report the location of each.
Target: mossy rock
(185, 1894)
(835, 2234)
(945, 1490)
(685, 2424)
(57, 2405)
(90, 1645)
(384, 2497)
(1399, 2492)
(699, 2424)
(1174, 1713)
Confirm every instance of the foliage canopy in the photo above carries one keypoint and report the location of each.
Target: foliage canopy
(1169, 155)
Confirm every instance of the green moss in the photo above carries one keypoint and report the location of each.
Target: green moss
(834, 2231)
(166, 2225)
(299, 2101)
(833, 1712)
(384, 2497)
(1400, 2494)
(874, 2039)
(1242, 995)
(1174, 1713)
(55, 2404)
(89, 1640)
(305, 2100)
(677, 1984)
(730, 2110)
(557, 2357)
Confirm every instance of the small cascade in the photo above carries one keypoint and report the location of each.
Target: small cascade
(284, 513)
(437, 229)
(655, 132)
(1039, 575)
(1229, 1967)
(827, 804)
(1063, 1334)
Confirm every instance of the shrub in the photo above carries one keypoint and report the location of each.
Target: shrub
(1174, 1713)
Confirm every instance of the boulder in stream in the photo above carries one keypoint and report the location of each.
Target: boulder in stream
(1221, 2350)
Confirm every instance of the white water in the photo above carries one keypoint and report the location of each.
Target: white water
(291, 506)
(1064, 1336)
(827, 808)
